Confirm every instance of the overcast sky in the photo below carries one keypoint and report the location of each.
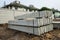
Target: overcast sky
(37, 3)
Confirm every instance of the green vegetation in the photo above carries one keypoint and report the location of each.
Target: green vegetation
(31, 7)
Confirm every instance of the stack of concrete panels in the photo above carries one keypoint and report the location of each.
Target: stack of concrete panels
(49, 21)
(49, 13)
(34, 23)
(35, 15)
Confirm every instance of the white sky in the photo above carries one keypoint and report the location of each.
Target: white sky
(37, 3)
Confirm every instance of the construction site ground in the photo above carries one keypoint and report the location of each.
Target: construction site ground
(10, 34)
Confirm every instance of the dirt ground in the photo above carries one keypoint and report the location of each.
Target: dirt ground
(9, 34)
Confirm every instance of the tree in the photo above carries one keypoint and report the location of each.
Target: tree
(44, 8)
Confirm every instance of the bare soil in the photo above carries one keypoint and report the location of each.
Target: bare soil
(9, 34)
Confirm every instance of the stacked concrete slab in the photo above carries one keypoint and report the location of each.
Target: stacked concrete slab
(34, 23)
(35, 15)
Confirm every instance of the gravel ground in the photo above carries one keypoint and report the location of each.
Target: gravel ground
(9, 34)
